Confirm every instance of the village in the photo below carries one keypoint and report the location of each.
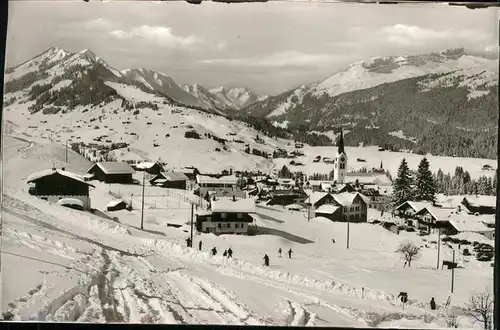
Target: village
(232, 203)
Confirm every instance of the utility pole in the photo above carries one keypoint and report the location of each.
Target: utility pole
(192, 215)
(438, 246)
(66, 151)
(348, 233)
(453, 272)
(142, 210)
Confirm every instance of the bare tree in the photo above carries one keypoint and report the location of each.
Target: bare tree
(409, 251)
(480, 308)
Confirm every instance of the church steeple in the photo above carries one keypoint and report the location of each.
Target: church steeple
(340, 143)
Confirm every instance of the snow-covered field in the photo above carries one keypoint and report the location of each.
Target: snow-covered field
(91, 269)
(390, 161)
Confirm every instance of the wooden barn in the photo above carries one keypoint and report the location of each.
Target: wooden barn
(175, 180)
(480, 204)
(112, 172)
(55, 185)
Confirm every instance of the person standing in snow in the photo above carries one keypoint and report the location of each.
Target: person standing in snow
(266, 260)
(433, 304)
(333, 241)
(214, 251)
(188, 242)
(199, 245)
(225, 253)
(229, 253)
(290, 253)
(279, 252)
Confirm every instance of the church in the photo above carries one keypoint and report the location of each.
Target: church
(374, 186)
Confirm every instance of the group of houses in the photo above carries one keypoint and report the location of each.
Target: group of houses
(72, 190)
(474, 214)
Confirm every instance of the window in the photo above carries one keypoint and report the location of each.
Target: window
(236, 225)
(209, 218)
(239, 215)
(220, 226)
(223, 215)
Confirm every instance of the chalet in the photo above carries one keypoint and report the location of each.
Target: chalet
(407, 210)
(226, 216)
(175, 180)
(54, 185)
(112, 172)
(149, 167)
(480, 204)
(340, 207)
(378, 201)
(225, 186)
(430, 218)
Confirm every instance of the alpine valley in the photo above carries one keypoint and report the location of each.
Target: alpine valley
(442, 103)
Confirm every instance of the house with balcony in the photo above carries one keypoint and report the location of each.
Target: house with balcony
(429, 218)
(407, 212)
(342, 207)
(61, 187)
(226, 216)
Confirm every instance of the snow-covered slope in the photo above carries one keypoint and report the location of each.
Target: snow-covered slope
(475, 72)
(164, 84)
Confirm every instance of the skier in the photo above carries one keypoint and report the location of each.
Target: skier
(229, 253)
(199, 245)
(333, 241)
(290, 253)
(433, 304)
(279, 252)
(214, 251)
(225, 253)
(266, 260)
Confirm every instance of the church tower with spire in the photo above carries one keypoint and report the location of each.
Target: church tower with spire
(340, 164)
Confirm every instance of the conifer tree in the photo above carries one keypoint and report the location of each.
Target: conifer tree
(425, 186)
(402, 185)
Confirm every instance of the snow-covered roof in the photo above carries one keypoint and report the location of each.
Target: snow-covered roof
(480, 200)
(468, 223)
(438, 213)
(114, 203)
(230, 179)
(294, 206)
(145, 165)
(41, 174)
(229, 206)
(114, 168)
(327, 209)
(175, 176)
(70, 201)
(325, 185)
(316, 196)
(416, 206)
(346, 199)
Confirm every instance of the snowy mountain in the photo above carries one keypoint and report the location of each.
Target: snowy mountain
(236, 97)
(164, 84)
(375, 98)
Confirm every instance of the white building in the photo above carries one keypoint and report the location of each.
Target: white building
(225, 186)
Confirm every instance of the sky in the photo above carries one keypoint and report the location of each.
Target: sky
(267, 47)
